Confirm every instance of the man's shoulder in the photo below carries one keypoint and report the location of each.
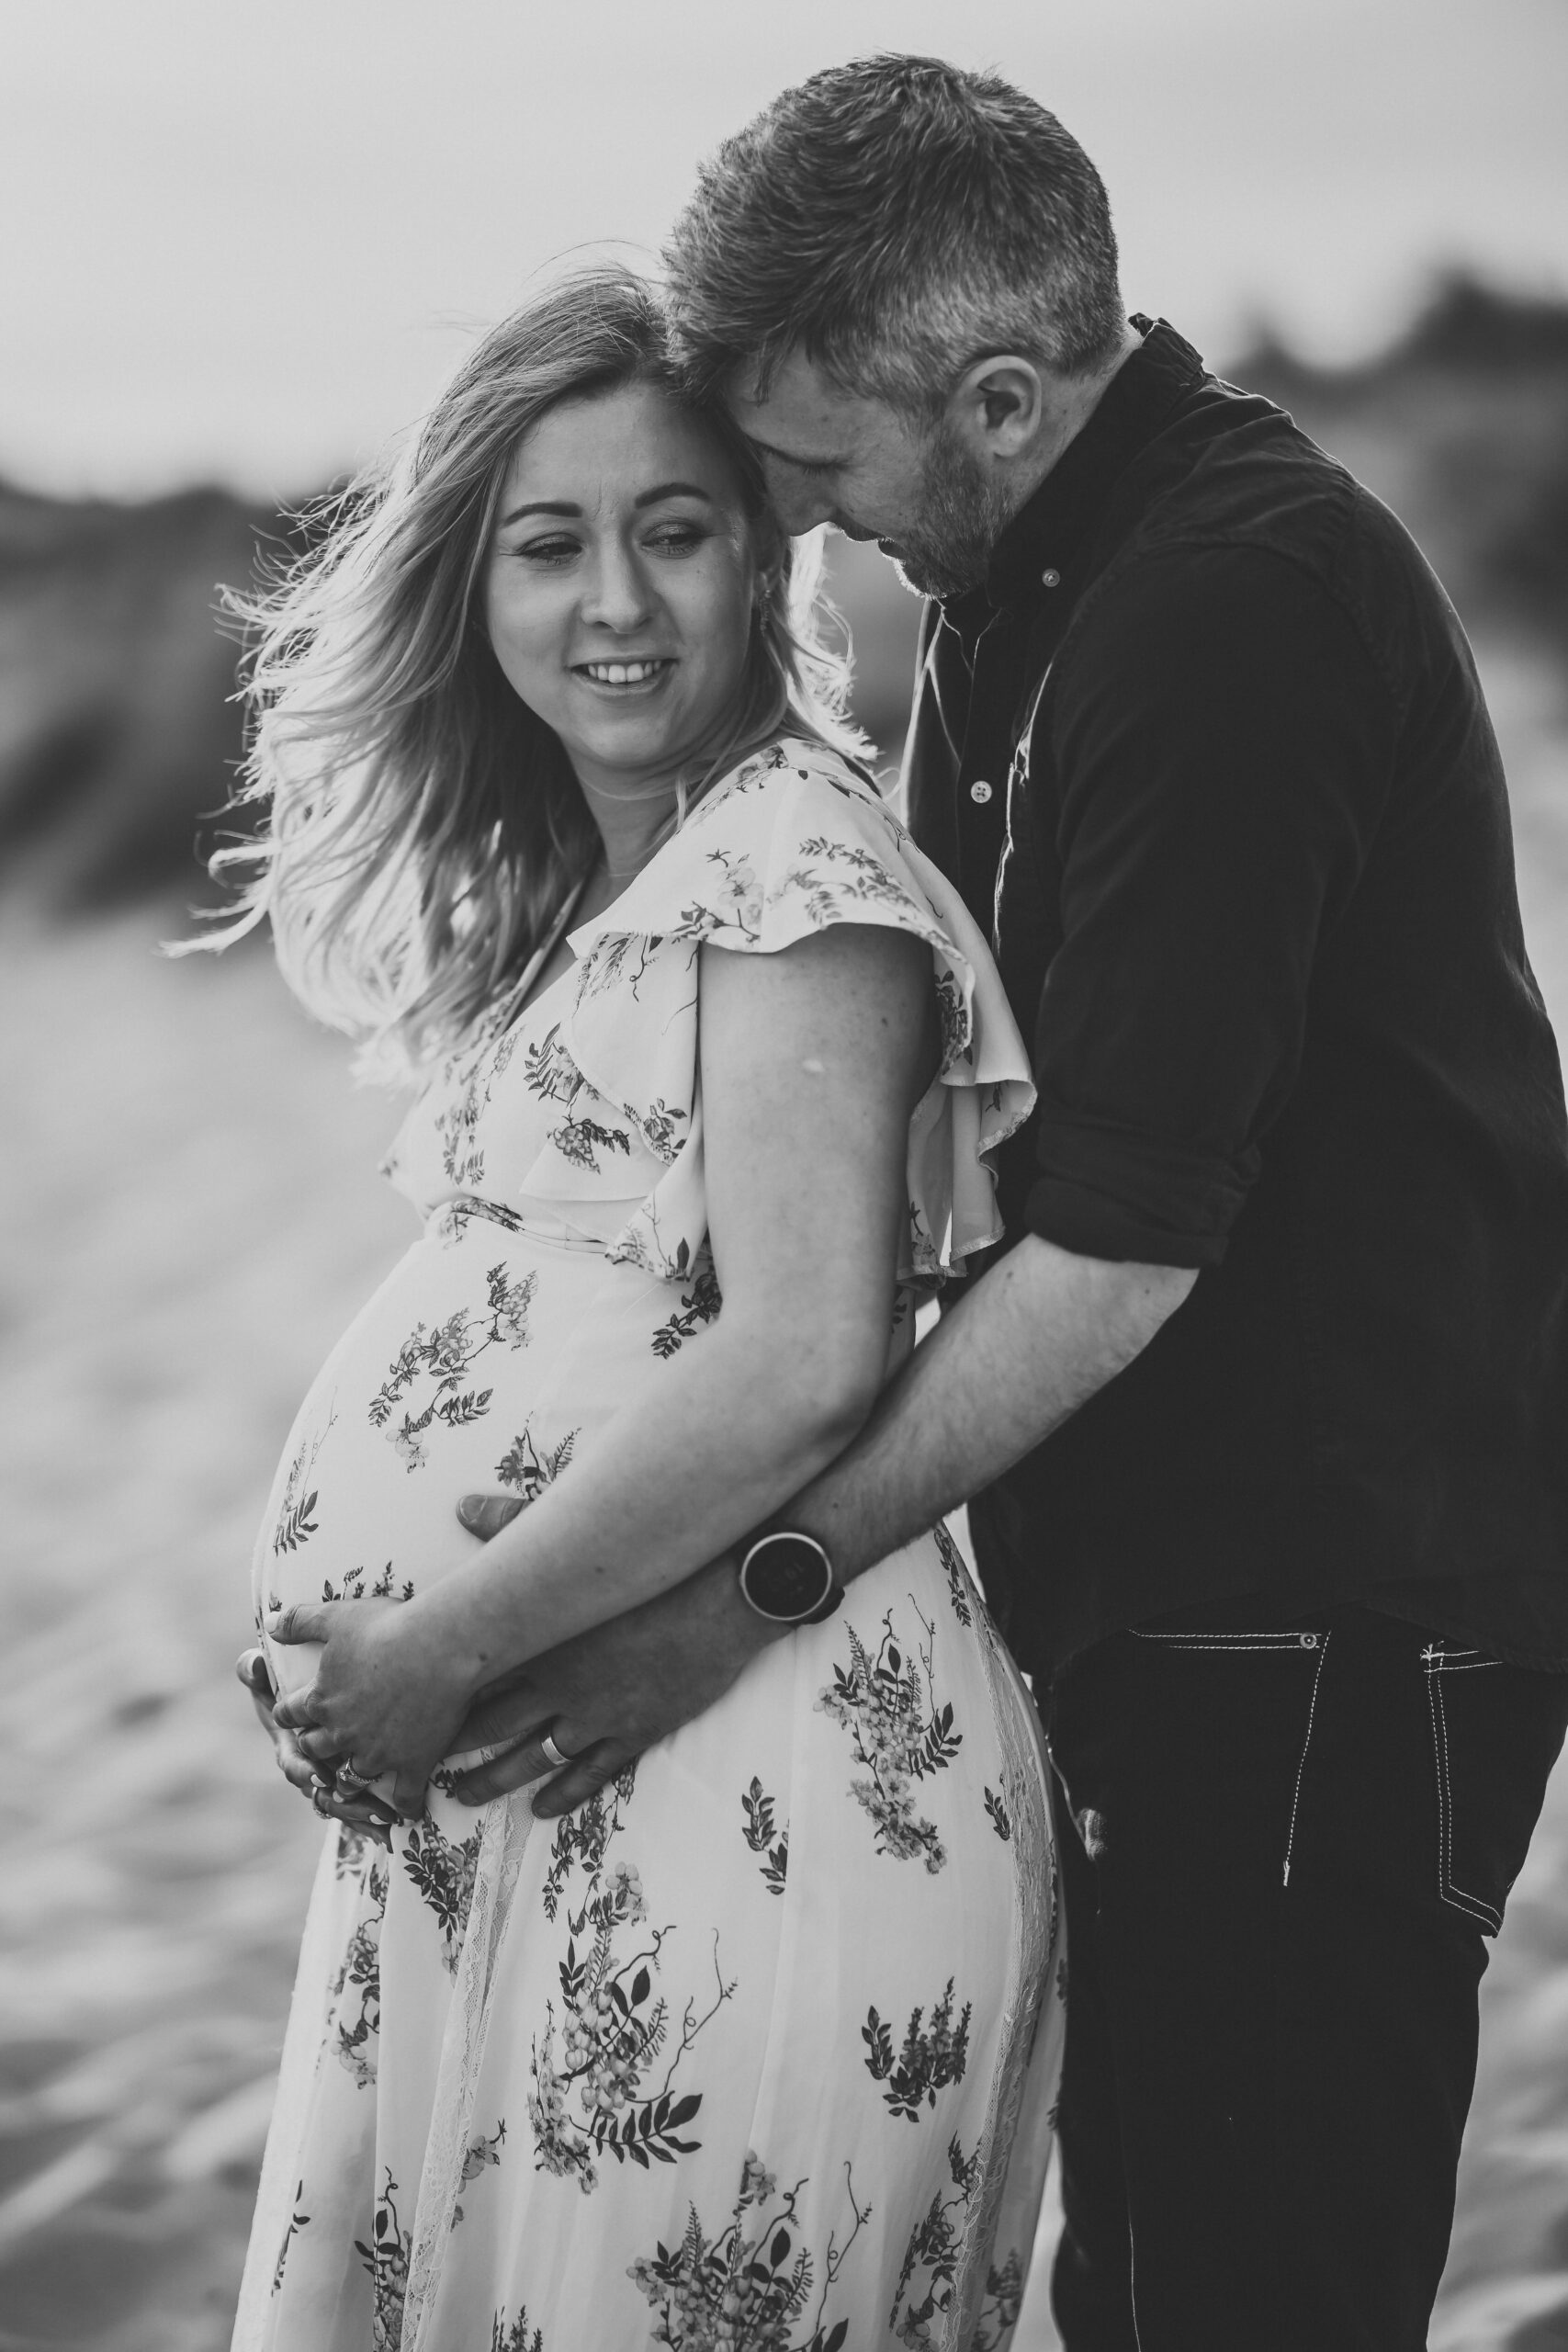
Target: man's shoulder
(1243, 476)
(1260, 519)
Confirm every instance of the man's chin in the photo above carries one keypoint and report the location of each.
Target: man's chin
(918, 574)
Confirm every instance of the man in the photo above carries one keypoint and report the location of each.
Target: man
(1262, 1409)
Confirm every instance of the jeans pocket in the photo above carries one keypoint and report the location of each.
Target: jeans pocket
(1463, 1699)
(1236, 1642)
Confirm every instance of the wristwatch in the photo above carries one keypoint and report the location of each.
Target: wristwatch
(788, 1579)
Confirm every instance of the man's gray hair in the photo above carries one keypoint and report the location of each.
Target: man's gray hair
(896, 220)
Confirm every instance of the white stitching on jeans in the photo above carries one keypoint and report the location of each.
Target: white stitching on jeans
(1132, 2284)
(1300, 1768)
(1433, 1659)
(1217, 1641)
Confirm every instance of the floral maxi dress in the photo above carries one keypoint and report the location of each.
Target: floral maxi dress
(757, 2048)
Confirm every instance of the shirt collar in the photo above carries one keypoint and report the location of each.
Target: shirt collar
(1053, 526)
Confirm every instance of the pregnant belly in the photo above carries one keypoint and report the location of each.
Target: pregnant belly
(486, 1362)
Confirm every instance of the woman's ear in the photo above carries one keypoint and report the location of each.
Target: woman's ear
(770, 550)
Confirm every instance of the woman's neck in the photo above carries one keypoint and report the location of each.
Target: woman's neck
(630, 826)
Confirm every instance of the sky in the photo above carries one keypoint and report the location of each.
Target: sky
(245, 239)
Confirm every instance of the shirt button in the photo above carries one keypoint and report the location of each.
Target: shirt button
(1052, 579)
(980, 792)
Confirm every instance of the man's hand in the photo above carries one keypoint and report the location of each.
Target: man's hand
(604, 1697)
(608, 1694)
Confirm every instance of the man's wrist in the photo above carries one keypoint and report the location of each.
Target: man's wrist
(746, 1633)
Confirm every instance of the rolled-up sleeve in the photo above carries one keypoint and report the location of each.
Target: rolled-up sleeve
(1221, 746)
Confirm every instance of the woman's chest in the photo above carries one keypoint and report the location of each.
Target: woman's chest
(513, 1118)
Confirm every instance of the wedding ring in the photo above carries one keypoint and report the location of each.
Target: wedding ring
(322, 1800)
(349, 1780)
(551, 1752)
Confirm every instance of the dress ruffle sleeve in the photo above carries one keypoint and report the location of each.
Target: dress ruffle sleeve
(791, 842)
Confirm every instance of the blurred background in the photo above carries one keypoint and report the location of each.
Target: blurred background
(241, 246)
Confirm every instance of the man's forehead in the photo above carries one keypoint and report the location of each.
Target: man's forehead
(803, 413)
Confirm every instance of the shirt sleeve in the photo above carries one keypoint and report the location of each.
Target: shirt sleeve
(1222, 747)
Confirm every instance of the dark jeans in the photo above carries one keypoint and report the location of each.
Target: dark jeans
(1282, 1851)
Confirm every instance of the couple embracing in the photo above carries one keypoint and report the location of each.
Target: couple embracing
(687, 1964)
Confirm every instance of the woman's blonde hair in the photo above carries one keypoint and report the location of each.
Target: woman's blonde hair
(424, 829)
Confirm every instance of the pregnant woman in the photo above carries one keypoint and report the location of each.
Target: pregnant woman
(755, 2048)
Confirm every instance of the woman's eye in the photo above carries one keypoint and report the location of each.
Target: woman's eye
(547, 551)
(676, 538)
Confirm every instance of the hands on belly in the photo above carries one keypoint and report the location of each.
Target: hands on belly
(602, 1698)
(384, 1698)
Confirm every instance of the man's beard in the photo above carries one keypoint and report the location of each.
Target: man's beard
(961, 518)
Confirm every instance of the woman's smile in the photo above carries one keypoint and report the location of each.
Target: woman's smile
(633, 674)
(620, 586)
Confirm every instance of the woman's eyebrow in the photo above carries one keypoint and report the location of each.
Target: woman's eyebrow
(673, 490)
(648, 498)
(540, 506)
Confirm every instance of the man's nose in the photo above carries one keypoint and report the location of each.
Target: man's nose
(616, 593)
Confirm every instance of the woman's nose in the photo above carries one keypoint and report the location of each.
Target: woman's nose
(616, 593)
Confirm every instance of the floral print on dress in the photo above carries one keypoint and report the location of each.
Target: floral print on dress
(452, 1220)
(888, 1706)
(757, 1807)
(527, 1470)
(930, 2058)
(481, 2153)
(297, 2221)
(960, 1591)
(457, 1124)
(442, 1869)
(354, 2018)
(924, 2296)
(354, 1587)
(296, 1522)
(608, 2089)
(698, 1306)
(444, 1355)
(516, 2337)
(750, 2284)
(549, 1071)
(385, 2258)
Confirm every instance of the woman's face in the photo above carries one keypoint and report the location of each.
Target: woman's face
(620, 583)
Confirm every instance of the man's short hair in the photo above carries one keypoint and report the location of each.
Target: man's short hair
(897, 219)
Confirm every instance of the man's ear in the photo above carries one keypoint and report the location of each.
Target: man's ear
(999, 406)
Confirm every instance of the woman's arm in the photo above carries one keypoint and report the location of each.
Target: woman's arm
(812, 1060)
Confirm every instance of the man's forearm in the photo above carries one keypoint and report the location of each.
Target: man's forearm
(1035, 1338)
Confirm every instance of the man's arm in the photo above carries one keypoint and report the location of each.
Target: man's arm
(1036, 1337)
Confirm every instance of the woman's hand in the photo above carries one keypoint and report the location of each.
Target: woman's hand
(363, 1811)
(386, 1698)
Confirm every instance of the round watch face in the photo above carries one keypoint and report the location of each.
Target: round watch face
(786, 1576)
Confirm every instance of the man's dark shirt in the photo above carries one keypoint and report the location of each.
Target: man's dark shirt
(1247, 847)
